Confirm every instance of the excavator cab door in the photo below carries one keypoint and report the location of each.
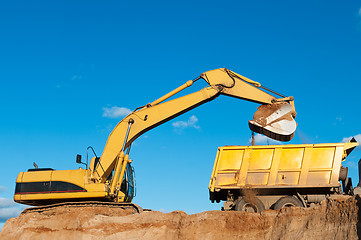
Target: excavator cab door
(128, 183)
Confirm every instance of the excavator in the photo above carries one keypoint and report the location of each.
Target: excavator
(109, 179)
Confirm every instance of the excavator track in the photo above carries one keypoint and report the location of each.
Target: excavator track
(39, 209)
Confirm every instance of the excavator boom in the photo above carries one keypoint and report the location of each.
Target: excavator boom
(110, 177)
(221, 82)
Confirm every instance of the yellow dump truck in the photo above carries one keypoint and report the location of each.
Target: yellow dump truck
(254, 178)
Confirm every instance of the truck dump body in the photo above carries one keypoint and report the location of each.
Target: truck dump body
(273, 168)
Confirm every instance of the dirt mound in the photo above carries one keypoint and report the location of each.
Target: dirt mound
(333, 219)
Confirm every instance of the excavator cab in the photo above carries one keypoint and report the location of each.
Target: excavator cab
(128, 184)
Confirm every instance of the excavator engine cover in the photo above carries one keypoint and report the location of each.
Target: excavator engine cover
(275, 121)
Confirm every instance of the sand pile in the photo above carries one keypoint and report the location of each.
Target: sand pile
(333, 219)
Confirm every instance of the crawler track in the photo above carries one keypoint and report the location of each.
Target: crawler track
(135, 207)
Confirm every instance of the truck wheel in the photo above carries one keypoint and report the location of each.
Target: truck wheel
(288, 201)
(249, 206)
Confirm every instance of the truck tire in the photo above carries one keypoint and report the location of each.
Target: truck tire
(249, 206)
(288, 201)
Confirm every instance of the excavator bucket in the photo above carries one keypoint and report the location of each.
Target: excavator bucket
(275, 121)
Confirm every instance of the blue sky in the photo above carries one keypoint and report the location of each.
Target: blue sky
(65, 66)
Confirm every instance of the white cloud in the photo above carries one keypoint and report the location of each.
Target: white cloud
(357, 137)
(9, 209)
(6, 202)
(191, 123)
(6, 213)
(262, 139)
(338, 121)
(76, 77)
(115, 112)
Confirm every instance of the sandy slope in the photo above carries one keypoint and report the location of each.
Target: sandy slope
(333, 219)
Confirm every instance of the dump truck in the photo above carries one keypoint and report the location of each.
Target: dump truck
(109, 178)
(254, 178)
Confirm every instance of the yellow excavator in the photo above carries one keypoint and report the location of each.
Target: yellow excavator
(109, 178)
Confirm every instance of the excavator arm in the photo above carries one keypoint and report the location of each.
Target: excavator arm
(221, 82)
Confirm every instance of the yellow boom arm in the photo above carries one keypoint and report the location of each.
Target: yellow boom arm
(141, 120)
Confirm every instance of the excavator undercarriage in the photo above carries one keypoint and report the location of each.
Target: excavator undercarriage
(132, 207)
